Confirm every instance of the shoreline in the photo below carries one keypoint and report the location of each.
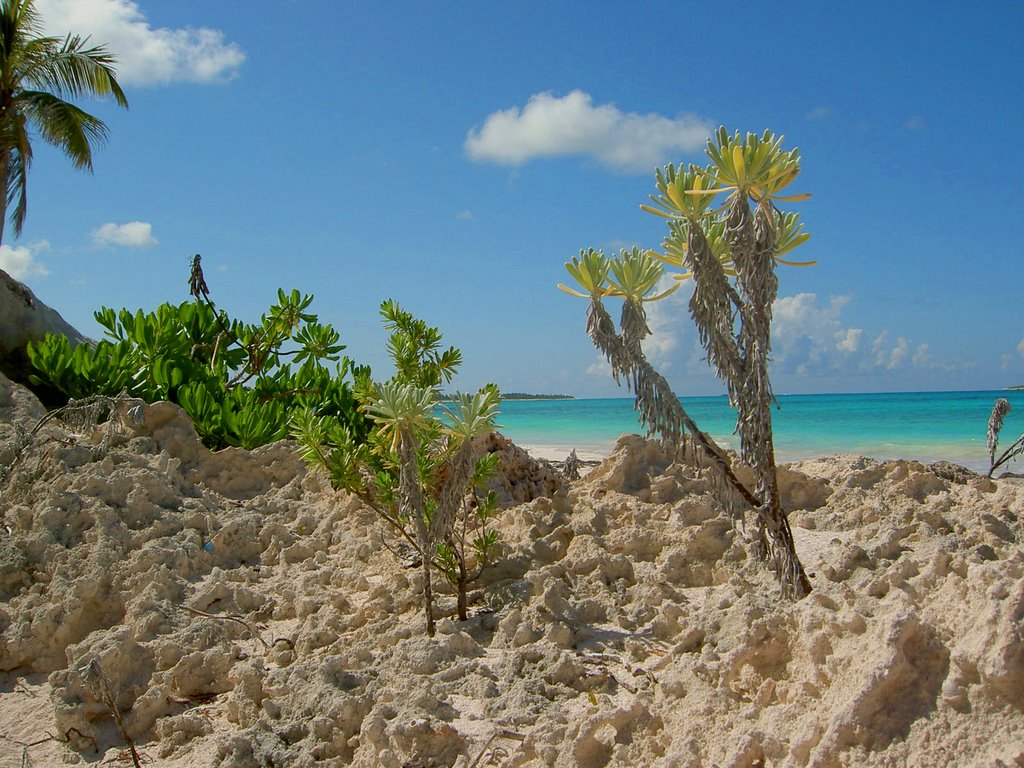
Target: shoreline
(925, 427)
(557, 452)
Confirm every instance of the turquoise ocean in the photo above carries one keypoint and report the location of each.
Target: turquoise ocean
(927, 426)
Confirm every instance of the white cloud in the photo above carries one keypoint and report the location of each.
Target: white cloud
(134, 234)
(21, 262)
(880, 341)
(887, 355)
(922, 356)
(807, 335)
(667, 320)
(145, 55)
(810, 338)
(1020, 347)
(465, 215)
(552, 126)
(898, 354)
(812, 343)
(818, 113)
(600, 368)
(849, 341)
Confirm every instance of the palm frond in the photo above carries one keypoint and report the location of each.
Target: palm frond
(63, 125)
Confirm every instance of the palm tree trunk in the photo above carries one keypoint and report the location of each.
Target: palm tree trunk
(5, 172)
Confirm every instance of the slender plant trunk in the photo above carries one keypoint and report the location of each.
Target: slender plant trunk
(784, 559)
(752, 238)
(659, 409)
(461, 585)
(411, 497)
(428, 594)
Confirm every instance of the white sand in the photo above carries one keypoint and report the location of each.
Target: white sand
(624, 625)
(561, 452)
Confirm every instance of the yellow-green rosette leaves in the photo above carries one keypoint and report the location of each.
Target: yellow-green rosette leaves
(675, 245)
(472, 415)
(789, 234)
(401, 408)
(590, 271)
(752, 165)
(682, 194)
(784, 168)
(635, 275)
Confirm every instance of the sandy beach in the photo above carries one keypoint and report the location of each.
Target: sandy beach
(237, 612)
(559, 453)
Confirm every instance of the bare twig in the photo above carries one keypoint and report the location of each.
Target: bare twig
(229, 617)
(81, 416)
(82, 736)
(26, 762)
(497, 753)
(95, 678)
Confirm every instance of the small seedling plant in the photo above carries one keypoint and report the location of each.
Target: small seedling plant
(418, 468)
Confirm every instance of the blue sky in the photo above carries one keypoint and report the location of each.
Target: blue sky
(453, 155)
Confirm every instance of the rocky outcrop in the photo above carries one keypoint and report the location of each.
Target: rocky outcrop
(520, 477)
(24, 318)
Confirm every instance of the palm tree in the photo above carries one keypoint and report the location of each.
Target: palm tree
(37, 73)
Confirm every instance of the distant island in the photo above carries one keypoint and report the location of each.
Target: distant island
(528, 396)
(448, 397)
(1018, 388)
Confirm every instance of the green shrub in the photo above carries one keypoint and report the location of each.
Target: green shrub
(240, 383)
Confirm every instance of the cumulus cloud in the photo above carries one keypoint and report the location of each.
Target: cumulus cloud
(665, 318)
(21, 262)
(814, 347)
(134, 234)
(553, 126)
(922, 356)
(810, 338)
(1020, 347)
(145, 55)
(849, 340)
(897, 356)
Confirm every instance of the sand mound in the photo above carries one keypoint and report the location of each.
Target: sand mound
(240, 613)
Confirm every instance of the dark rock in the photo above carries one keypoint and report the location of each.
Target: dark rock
(24, 318)
(947, 470)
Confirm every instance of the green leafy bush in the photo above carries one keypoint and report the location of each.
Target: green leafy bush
(239, 382)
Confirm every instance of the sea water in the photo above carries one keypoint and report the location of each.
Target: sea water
(927, 426)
